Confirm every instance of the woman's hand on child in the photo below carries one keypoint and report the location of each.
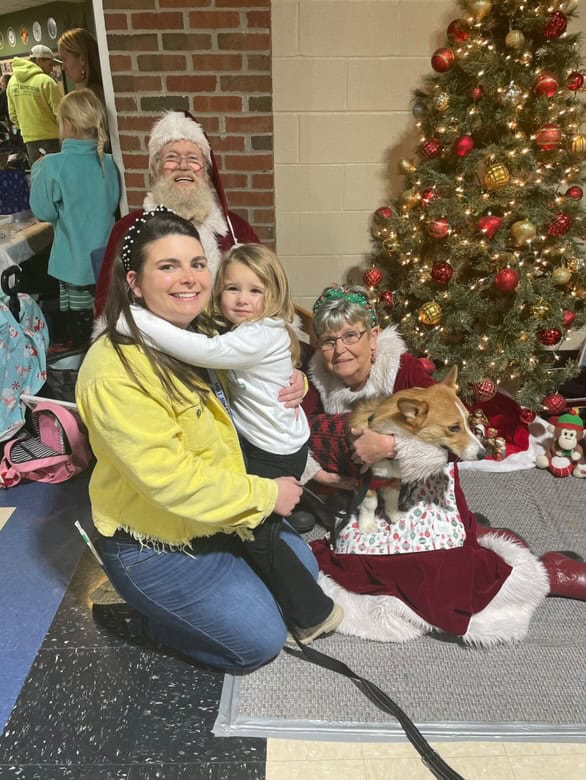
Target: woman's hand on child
(292, 395)
(288, 497)
(369, 446)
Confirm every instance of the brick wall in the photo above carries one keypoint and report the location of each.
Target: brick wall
(213, 58)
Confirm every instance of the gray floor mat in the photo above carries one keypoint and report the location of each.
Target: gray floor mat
(529, 691)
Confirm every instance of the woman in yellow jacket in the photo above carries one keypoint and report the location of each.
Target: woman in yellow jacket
(170, 495)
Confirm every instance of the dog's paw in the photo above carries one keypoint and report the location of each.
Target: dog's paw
(367, 525)
(395, 517)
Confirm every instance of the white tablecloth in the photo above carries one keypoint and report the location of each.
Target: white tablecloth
(32, 237)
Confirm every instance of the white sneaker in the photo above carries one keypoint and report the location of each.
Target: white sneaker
(307, 635)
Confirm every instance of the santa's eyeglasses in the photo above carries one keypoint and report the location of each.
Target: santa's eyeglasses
(173, 160)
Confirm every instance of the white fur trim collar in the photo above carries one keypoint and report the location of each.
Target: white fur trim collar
(214, 226)
(339, 399)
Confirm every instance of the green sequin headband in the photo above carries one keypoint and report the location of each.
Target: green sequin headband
(344, 293)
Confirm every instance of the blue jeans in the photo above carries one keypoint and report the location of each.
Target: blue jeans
(211, 607)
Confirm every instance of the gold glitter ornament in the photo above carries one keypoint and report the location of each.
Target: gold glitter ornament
(561, 276)
(441, 102)
(390, 245)
(578, 145)
(430, 313)
(479, 9)
(496, 176)
(540, 310)
(523, 336)
(380, 231)
(515, 39)
(409, 199)
(527, 58)
(523, 231)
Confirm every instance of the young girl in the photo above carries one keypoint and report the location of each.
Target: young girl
(251, 292)
(78, 191)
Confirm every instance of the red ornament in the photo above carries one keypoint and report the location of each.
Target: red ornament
(506, 280)
(441, 273)
(428, 195)
(442, 59)
(372, 277)
(575, 81)
(430, 148)
(457, 31)
(575, 192)
(559, 225)
(545, 85)
(484, 390)
(549, 337)
(554, 403)
(383, 213)
(427, 364)
(527, 416)
(555, 25)
(548, 137)
(438, 228)
(386, 299)
(489, 225)
(463, 145)
(475, 93)
(568, 318)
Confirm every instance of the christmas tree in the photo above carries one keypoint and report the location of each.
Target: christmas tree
(480, 260)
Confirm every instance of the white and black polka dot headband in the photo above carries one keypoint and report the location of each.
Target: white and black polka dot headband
(134, 232)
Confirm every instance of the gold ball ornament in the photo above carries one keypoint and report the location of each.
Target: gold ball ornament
(496, 176)
(409, 199)
(579, 291)
(390, 245)
(540, 310)
(430, 313)
(380, 232)
(523, 337)
(479, 9)
(406, 166)
(441, 102)
(526, 58)
(523, 232)
(515, 39)
(578, 145)
(561, 276)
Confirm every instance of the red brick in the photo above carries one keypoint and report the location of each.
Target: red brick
(244, 41)
(266, 234)
(184, 3)
(130, 122)
(157, 21)
(247, 4)
(249, 124)
(234, 180)
(135, 198)
(114, 5)
(260, 62)
(214, 20)
(186, 42)
(228, 143)
(133, 42)
(116, 21)
(136, 162)
(259, 19)
(263, 181)
(218, 104)
(137, 83)
(135, 180)
(191, 83)
(249, 162)
(161, 62)
(125, 104)
(128, 142)
(246, 84)
(250, 198)
(119, 62)
(216, 62)
(260, 216)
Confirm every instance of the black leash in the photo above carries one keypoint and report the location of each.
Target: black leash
(335, 520)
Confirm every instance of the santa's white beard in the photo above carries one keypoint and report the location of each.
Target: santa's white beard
(194, 202)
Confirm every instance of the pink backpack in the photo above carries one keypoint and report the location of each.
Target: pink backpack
(54, 449)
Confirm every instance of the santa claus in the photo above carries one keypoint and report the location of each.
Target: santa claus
(184, 177)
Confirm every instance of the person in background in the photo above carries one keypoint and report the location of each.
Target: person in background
(80, 58)
(78, 191)
(185, 178)
(33, 100)
(4, 80)
(170, 495)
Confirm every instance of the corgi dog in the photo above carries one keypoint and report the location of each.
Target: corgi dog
(427, 423)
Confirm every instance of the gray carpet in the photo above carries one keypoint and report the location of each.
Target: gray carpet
(535, 690)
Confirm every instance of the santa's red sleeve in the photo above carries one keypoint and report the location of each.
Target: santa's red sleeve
(112, 248)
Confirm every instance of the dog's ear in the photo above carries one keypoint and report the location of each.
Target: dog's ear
(414, 411)
(451, 378)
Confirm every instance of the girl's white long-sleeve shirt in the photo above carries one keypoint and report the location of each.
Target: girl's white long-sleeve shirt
(257, 359)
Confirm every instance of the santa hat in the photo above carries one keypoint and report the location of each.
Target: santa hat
(177, 126)
(570, 420)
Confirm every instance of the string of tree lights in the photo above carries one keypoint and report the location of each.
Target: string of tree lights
(480, 260)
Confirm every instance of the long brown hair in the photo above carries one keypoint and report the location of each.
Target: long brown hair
(83, 45)
(166, 368)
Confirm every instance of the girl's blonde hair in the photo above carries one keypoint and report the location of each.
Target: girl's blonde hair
(86, 115)
(277, 298)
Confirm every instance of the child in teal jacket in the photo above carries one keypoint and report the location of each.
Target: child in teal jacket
(77, 190)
